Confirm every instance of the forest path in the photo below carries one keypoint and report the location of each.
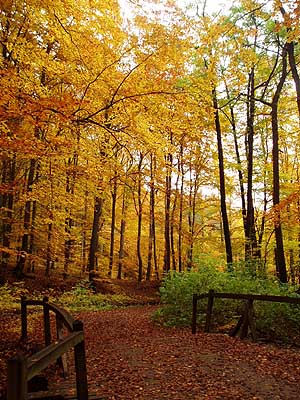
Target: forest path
(129, 357)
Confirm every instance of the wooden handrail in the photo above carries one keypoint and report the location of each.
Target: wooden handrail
(21, 368)
(39, 361)
(246, 319)
(260, 297)
(65, 317)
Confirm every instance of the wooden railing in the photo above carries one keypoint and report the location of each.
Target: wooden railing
(246, 320)
(21, 369)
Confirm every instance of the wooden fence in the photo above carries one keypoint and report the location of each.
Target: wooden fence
(246, 320)
(21, 369)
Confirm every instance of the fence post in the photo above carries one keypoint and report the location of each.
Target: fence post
(17, 378)
(62, 360)
(47, 328)
(210, 304)
(245, 323)
(251, 319)
(80, 365)
(194, 313)
(23, 318)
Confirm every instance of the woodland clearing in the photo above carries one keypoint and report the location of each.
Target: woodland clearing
(131, 357)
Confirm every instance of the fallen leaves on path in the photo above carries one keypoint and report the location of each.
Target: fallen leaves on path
(129, 357)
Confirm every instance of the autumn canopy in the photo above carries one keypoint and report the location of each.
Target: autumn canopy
(134, 143)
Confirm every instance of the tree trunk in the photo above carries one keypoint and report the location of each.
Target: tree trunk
(48, 254)
(98, 208)
(239, 162)
(7, 202)
(19, 268)
(173, 253)
(181, 171)
(167, 255)
(122, 233)
(226, 229)
(191, 223)
(84, 233)
(151, 221)
(140, 216)
(250, 231)
(113, 225)
(279, 251)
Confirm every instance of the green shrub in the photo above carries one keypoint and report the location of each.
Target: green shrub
(82, 298)
(278, 319)
(10, 296)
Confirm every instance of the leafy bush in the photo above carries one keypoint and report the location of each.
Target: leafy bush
(278, 319)
(82, 298)
(10, 296)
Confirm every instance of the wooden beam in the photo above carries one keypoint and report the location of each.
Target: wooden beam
(51, 353)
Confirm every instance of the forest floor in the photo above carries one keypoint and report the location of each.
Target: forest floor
(130, 357)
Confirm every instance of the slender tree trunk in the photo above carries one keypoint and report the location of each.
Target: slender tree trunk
(48, 252)
(279, 251)
(226, 229)
(167, 256)
(191, 225)
(84, 233)
(151, 221)
(239, 162)
(122, 233)
(7, 202)
(250, 231)
(174, 208)
(70, 184)
(113, 225)
(19, 269)
(98, 208)
(140, 216)
(181, 171)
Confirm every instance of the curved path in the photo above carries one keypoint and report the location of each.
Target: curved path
(129, 357)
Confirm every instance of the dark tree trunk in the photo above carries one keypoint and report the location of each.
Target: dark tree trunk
(84, 233)
(250, 231)
(7, 202)
(151, 221)
(226, 229)
(70, 184)
(122, 233)
(279, 251)
(239, 162)
(19, 269)
(48, 254)
(113, 226)
(140, 216)
(173, 223)
(181, 171)
(191, 221)
(98, 207)
(167, 256)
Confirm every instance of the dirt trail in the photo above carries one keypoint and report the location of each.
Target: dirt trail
(131, 358)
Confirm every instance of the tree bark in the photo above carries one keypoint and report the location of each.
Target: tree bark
(181, 171)
(226, 228)
(113, 225)
(122, 233)
(168, 182)
(250, 231)
(98, 208)
(140, 216)
(279, 251)
(7, 202)
(19, 268)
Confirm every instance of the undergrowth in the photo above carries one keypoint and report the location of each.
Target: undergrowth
(82, 298)
(278, 320)
(79, 298)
